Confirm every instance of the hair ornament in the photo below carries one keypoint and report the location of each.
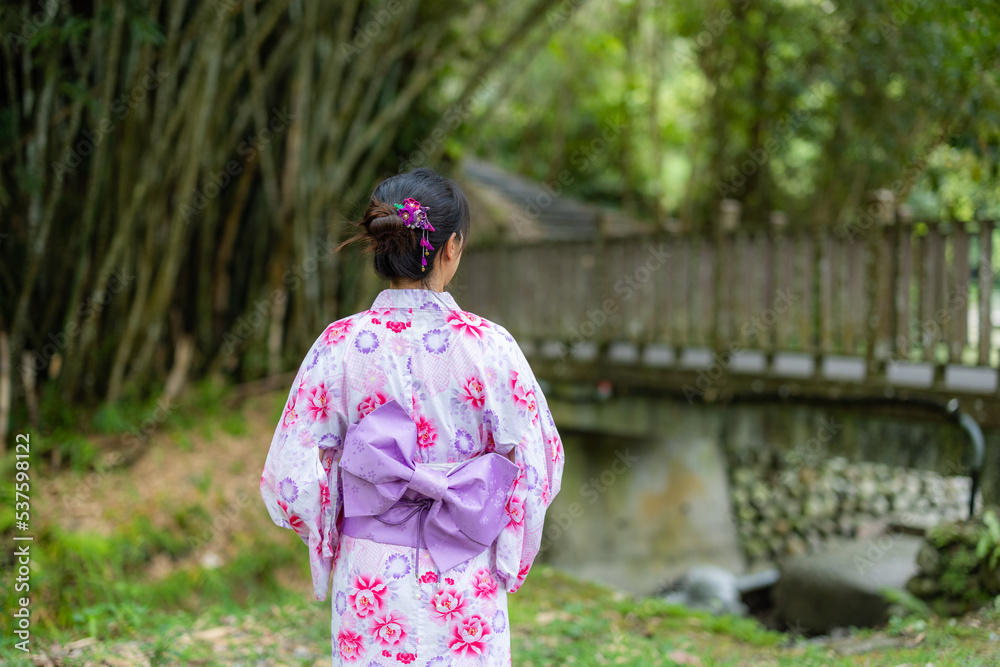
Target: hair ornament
(414, 216)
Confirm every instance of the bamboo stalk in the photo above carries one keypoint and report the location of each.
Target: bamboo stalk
(5, 390)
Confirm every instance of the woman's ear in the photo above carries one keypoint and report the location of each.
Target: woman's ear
(453, 247)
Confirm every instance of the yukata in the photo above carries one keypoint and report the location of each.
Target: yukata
(469, 392)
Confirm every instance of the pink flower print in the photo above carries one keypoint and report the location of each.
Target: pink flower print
(317, 402)
(521, 575)
(428, 578)
(386, 653)
(351, 644)
(515, 512)
(467, 323)
(368, 597)
(389, 630)
(449, 581)
(396, 327)
(468, 638)
(324, 495)
(406, 658)
(524, 397)
(426, 433)
(532, 407)
(369, 403)
(326, 458)
(297, 523)
(519, 481)
(337, 331)
(374, 380)
(474, 393)
(486, 430)
(545, 492)
(291, 415)
(447, 603)
(555, 446)
(484, 585)
(401, 346)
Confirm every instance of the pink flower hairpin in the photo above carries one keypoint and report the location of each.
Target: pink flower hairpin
(414, 216)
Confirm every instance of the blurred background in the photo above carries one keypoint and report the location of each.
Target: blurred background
(749, 247)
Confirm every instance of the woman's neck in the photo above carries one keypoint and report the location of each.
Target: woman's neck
(432, 283)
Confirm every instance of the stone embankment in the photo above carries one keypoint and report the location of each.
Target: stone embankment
(787, 510)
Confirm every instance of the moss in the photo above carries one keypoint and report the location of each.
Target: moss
(954, 583)
(962, 533)
(963, 559)
(968, 579)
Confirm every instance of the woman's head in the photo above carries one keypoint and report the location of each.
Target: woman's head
(396, 247)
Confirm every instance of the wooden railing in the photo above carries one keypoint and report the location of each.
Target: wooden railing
(882, 290)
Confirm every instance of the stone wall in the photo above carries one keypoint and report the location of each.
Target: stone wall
(785, 508)
(714, 483)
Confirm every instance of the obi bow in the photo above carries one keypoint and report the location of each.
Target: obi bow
(455, 515)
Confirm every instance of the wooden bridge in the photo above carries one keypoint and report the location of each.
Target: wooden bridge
(883, 308)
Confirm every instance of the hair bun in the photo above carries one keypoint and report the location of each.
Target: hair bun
(399, 255)
(386, 229)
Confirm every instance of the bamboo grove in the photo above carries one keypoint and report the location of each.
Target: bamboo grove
(175, 175)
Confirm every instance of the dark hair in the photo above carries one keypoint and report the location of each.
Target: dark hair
(396, 247)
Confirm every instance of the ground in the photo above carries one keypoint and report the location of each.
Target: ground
(182, 600)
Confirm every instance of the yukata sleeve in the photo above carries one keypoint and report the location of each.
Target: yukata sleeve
(524, 428)
(299, 481)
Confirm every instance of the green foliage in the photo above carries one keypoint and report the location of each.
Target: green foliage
(234, 424)
(968, 578)
(905, 604)
(988, 547)
(794, 106)
(954, 582)
(905, 624)
(202, 482)
(7, 494)
(959, 533)
(99, 584)
(111, 418)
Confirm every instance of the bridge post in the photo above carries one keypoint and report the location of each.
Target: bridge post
(775, 246)
(985, 271)
(876, 294)
(899, 343)
(820, 342)
(958, 293)
(725, 269)
(601, 282)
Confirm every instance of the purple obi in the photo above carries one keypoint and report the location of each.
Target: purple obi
(455, 514)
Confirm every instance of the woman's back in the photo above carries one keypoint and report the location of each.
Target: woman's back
(415, 456)
(451, 369)
(468, 389)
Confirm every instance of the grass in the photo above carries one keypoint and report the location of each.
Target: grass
(140, 593)
(555, 620)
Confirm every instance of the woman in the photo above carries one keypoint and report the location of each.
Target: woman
(415, 456)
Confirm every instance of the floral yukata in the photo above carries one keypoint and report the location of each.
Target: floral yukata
(467, 387)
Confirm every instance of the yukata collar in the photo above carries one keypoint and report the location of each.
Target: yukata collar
(417, 299)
